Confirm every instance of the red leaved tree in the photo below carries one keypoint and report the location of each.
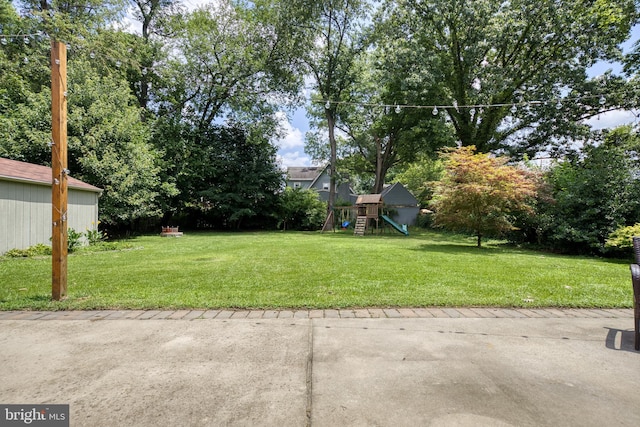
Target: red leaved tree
(479, 192)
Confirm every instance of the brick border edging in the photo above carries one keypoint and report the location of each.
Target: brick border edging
(362, 313)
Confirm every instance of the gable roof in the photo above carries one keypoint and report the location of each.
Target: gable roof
(305, 173)
(398, 194)
(13, 170)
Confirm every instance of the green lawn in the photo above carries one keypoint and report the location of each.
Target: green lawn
(305, 270)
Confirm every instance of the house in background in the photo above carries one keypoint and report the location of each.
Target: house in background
(25, 205)
(403, 204)
(317, 178)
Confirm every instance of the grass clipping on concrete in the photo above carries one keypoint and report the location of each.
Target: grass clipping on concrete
(313, 270)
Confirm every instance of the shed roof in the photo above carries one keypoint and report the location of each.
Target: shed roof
(367, 199)
(397, 194)
(13, 170)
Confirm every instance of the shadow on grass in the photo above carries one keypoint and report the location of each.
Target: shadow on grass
(461, 249)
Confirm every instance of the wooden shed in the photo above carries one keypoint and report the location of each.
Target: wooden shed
(25, 205)
(400, 200)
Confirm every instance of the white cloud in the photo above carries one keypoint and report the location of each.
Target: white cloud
(612, 119)
(293, 158)
(294, 138)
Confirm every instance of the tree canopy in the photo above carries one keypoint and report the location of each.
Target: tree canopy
(178, 118)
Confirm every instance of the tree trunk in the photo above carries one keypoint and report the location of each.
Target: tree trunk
(333, 158)
(479, 240)
(379, 181)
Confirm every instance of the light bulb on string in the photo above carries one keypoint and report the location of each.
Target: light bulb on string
(25, 60)
(26, 40)
(559, 106)
(514, 109)
(144, 71)
(118, 64)
(398, 109)
(327, 105)
(4, 41)
(435, 111)
(92, 55)
(602, 100)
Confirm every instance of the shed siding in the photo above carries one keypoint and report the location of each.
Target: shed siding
(25, 213)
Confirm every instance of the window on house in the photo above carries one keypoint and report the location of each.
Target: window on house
(325, 186)
(296, 185)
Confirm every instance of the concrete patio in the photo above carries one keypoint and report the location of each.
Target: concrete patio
(116, 368)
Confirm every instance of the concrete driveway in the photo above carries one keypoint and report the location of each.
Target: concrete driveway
(573, 368)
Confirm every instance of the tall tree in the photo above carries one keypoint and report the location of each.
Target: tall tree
(108, 145)
(238, 179)
(225, 63)
(380, 138)
(154, 17)
(228, 63)
(497, 63)
(334, 43)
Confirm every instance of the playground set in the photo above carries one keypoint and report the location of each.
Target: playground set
(369, 215)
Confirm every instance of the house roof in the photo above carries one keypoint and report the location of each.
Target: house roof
(13, 170)
(397, 194)
(365, 199)
(305, 173)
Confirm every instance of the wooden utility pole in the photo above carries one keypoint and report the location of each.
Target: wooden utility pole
(59, 169)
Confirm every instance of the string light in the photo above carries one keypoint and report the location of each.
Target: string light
(513, 107)
(27, 39)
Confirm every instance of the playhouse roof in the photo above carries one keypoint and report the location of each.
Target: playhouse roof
(13, 170)
(369, 199)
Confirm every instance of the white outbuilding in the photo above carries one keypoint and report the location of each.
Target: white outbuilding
(25, 205)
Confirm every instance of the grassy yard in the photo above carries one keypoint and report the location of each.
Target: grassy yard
(331, 270)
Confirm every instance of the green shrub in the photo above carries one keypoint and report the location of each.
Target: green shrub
(301, 210)
(73, 239)
(33, 251)
(621, 240)
(94, 236)
(425, 220)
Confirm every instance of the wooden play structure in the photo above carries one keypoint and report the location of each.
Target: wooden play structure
(369, 210)
(371, 215)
